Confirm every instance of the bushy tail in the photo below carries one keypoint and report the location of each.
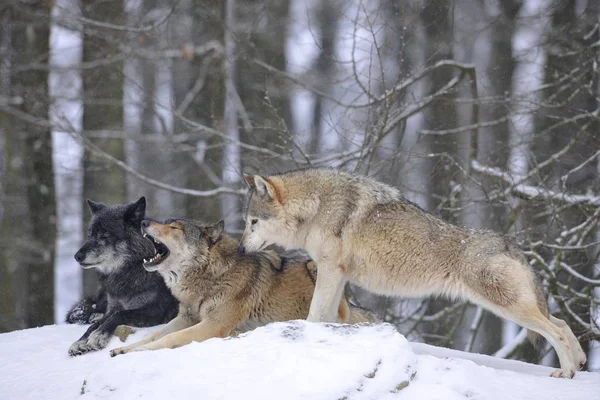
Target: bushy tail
(358, 315)
(537, 340)
(350, 314)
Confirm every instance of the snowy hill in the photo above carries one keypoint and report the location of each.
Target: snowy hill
(295, 360)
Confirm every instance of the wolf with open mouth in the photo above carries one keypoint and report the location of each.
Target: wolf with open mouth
(116, 249)
(220, 290)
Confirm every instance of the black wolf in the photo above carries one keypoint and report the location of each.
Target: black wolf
(128, 294)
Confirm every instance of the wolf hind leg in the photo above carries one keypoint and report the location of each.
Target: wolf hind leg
(527, 314)
(579, 357)
(507, 288)
(328, 293)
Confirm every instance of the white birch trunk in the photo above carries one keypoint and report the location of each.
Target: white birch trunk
(415, 164)
(530, 59)
(66, 114)
(231, 162)
(301, 52)
(133, 100)
(164, 99)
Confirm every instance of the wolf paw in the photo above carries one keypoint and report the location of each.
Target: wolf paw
(117, 351)
(78, 348)
(126, 349)
(582, 360)
(559, 373)
(94, 317)
(96, 341)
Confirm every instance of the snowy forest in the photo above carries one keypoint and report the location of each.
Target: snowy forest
(484, 112)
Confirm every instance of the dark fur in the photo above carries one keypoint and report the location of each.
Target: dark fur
(89, 309)
(128, 294)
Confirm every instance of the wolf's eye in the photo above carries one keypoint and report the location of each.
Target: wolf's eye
(253, 221)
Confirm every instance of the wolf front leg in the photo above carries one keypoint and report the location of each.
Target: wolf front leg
(328, 293)
(80, 346)
(97, 338)
(178, 323)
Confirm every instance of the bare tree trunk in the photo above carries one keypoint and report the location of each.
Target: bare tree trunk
(324, 136)
(594, 345)
(66, 113)
(231, 162)
(301, 54)
(165, 203)
(103, 181)
(29, 233)
(416, 166)
(8, 321)
(134, 99)
(188, 81)
(492, 55)
(442, 113)
(5, 56)
(207, 105)
(530, 60)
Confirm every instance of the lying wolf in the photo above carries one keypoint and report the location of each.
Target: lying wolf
(220, 290)
(362, 231)
(133, 296)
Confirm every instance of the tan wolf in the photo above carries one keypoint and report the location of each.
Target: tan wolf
(220, 290)
(362, 231)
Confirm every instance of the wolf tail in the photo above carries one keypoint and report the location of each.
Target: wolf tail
(351, 314)
(537, 340)
(358, 315)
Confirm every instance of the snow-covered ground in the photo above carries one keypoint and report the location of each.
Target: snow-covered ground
(294, 360)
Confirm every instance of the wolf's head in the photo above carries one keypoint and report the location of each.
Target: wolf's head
(114, 237)
(178, 241)
(266, 221)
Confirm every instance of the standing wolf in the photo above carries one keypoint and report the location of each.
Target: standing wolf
(362, 231)
(220, 290)
(116, 248)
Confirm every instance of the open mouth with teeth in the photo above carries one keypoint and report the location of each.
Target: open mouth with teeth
(161, 252)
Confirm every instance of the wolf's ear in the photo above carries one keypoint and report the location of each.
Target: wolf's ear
(265, 187)
(95, 207)
(214, 231)
(249, 180)
(136, 211)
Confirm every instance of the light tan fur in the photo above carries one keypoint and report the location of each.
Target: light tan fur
(362, 231)
(220, 290)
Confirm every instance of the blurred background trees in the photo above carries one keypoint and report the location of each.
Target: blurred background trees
(483, 112)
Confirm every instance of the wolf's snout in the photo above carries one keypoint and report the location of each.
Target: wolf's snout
(145, 223)
(241, 249)
(79, 256)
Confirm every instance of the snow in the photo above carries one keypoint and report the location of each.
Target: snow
(534, 191)
(292, 360)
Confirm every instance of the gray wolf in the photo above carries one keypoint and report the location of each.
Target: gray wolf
(362, 231)
(116, 249)
(220, 290)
